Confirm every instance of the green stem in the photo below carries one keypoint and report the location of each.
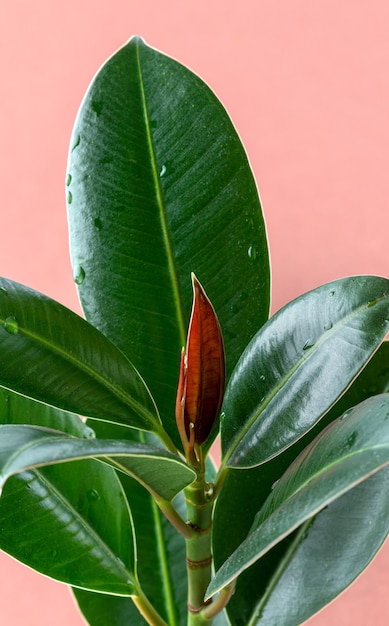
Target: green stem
(198, 549)
(186, 530)
(147, 610)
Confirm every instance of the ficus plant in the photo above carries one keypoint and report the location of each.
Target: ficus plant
(107, 422)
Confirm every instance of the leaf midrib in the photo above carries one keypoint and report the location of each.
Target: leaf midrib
(162, 209)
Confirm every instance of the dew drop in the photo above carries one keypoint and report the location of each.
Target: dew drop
(79, 275)
(97, 107)
(351, 440)
(68, 180)
(93, 495)
(77, 142)
(163, 171)
(11, 325)
(252, 253)
(308, 345)
(372, 302)
(346, 414)
(332, 293)
(328, 326)
(97, 223)
(70, 197)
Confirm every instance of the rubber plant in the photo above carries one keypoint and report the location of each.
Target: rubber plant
(170, 256)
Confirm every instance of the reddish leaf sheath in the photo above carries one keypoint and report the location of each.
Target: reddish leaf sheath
(202, 375)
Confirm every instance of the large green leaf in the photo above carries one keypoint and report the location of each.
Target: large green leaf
(159, 186)
(25, 447)
(49, 353)
(347, 452)
(244, 492)
(299, 364)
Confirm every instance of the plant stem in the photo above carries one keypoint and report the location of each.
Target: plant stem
(198, 548)
(147, 610)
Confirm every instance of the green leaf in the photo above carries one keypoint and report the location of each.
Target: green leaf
(244, 492)
(160, 186)
(71, 524)
(322, 555)
(69, 521)
(49, 353)
(349, 451)
(299, 364)
(26, 447)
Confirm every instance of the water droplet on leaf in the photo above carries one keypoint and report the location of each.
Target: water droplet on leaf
(97, 223)
(97, 107)
(93, 495)
(11, 325)
(70, 197)
(332, 293)
(252, 253)
(372, 302)
(308, 344)
(79, 275)
(68, 180)
(163, 171)
(77, 142)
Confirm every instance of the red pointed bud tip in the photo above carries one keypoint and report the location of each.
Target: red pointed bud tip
(202, 375)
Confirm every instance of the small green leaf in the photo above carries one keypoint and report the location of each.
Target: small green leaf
(26, 447)
(299, 364)
(72, 524)
(161, 187)
(52, 355)
(349, 451)
(69, 521)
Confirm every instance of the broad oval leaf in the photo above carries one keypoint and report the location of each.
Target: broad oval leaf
(49, 353)
(159, 186)
(26, 447)
(347, 452)
(299, 364)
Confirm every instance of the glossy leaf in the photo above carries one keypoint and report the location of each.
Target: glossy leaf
(69, 521)
(299, 364)
(49, 353)
(26, 447)
(349, 451)
(244, 492)
(326, 555)
(70, 524)
(160, 186)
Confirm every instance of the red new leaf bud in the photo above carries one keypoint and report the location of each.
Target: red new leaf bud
(202, 375)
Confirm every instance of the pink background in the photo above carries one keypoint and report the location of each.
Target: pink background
(306, 84)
